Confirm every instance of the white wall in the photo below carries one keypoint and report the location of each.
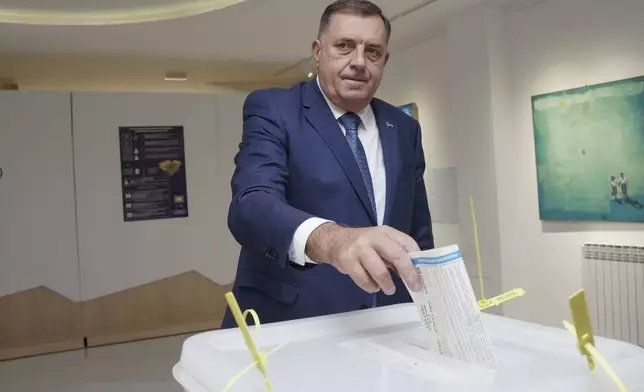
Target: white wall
(37, 224)
(411, 76)
(473, 86)
(117, 255)
(445, 75)
(557, 45)
(52, 178)
(472, 125)
(229, 131)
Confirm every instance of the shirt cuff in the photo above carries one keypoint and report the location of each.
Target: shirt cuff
(297, 250)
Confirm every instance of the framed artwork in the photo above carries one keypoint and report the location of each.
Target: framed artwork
(589, 147)
(411, 109)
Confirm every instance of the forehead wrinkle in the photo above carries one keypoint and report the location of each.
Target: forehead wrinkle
(344, 30)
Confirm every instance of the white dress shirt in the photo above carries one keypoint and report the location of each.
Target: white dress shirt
(370, 139)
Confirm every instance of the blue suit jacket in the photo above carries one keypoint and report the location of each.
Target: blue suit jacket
(295, 163)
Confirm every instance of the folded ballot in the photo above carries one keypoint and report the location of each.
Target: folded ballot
(448, 309)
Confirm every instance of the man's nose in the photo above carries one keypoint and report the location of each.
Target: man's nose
(358, 60)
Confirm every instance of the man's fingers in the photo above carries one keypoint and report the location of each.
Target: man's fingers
(368, 254)
(362, 278)
(377, 269)
(395, 250)
(403, 239)
(410, 275)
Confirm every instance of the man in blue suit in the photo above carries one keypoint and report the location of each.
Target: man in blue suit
(328, 191)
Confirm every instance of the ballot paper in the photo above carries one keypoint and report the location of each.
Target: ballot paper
(448, 309)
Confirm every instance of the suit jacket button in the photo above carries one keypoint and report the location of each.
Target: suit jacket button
(270, 253)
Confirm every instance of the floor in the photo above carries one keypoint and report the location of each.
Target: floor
(144, 366)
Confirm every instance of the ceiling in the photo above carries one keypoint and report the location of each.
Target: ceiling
(88, 5)
(251, 44)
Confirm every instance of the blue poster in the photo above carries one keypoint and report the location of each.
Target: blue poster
(153, 173)
(410, 109)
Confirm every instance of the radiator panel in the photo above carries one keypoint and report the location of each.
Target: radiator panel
(613, 278)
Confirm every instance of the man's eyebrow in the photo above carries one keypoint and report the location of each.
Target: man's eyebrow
(367, 43)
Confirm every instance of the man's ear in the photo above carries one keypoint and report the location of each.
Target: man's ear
(315, 50)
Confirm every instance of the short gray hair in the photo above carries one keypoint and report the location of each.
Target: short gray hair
(359, 7)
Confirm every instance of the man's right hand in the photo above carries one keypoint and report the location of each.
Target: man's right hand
(366, 255)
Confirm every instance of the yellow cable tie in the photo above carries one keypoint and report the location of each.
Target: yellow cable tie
(580, 345)
(259, 357)
(499, 299)
(476, 245)
(248, 368)
(593, 354)
(253, 313)
(607, 368)
(582, 330)
(485, 303)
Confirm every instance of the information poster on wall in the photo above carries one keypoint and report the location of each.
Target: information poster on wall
(153, 173)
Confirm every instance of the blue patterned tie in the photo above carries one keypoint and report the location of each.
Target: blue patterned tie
(351, 122)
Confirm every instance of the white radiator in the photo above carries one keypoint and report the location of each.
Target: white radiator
(613, 278)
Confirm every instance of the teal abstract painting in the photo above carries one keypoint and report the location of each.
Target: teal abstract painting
(589, 145)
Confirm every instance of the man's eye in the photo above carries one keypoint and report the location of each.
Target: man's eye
(343, 46)
(374, 54)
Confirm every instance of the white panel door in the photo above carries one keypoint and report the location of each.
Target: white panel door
(39, 279)
(149, 278)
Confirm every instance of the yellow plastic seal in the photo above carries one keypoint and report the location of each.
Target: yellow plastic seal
(583, 331)
(485, 303)
(260, 358)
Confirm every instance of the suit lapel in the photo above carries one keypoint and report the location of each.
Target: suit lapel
(319, 115)
(389, 139)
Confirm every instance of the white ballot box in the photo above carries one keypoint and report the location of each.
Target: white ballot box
(384, 349)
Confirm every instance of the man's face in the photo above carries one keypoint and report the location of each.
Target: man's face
(351, 57)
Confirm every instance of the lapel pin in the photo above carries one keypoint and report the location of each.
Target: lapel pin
(390, 125)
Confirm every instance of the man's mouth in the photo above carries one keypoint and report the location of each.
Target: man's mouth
(357, 80)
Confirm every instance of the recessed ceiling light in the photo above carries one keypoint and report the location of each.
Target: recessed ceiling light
(176, 77)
